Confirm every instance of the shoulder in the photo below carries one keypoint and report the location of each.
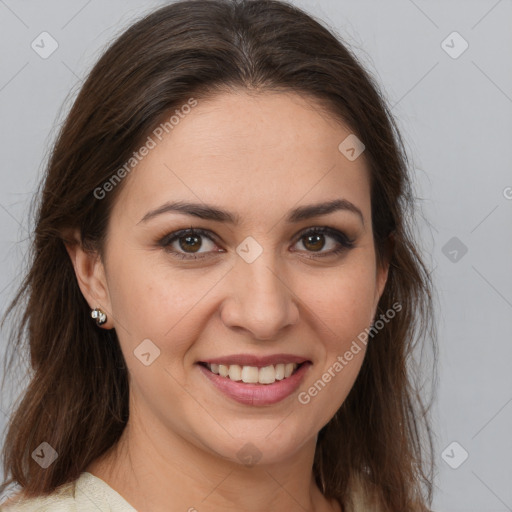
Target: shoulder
(364, 497)
(61, 500)
(87, 493)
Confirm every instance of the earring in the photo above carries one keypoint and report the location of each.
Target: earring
(99, 316)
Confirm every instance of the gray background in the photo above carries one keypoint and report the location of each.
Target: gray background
(454, 114)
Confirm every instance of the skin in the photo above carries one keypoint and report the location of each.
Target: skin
(258, 156)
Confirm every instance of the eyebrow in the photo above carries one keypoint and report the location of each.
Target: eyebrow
(209, 212)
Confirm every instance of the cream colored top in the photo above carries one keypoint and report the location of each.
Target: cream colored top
(88, 493)
(91, 494)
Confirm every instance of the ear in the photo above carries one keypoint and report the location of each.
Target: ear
(382, 271)
(91, 276)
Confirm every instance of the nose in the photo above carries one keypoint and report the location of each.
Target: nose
(260, 300)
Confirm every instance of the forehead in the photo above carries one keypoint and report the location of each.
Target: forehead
(251, 151)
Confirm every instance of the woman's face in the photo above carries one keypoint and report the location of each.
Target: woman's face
(262, 285)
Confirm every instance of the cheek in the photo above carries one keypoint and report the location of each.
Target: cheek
(343, 300)
(151, 299)
(341, 308)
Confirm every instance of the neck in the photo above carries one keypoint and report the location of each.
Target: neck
(152, 471)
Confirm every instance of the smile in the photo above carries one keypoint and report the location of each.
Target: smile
(253, 374)
(252, 385)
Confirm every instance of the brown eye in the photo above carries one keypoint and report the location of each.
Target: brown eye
(189, 242)
(314, 240)
(192, 242)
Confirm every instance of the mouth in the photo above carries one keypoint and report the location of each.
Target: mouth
(254, 374)
(262, 385)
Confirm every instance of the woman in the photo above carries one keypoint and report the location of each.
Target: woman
(224, 291)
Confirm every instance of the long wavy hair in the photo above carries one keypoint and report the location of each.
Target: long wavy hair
(77, 394)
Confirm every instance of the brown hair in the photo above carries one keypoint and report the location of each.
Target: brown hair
(77, 397)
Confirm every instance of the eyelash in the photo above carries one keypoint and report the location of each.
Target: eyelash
(344, 242)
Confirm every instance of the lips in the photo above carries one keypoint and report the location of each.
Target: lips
(256, 394)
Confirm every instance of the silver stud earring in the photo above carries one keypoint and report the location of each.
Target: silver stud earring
(99, 316)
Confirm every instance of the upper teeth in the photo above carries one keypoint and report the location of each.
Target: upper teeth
(252, 374)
